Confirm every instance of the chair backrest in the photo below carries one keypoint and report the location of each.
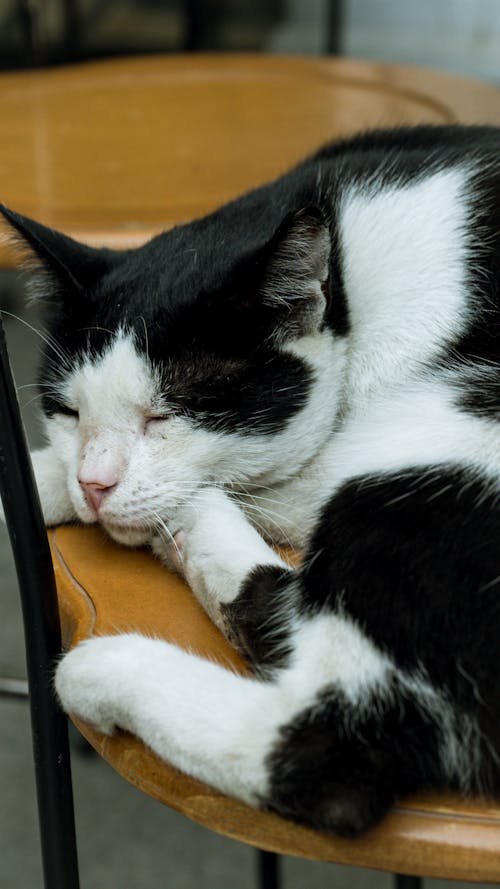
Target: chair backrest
(42, 634)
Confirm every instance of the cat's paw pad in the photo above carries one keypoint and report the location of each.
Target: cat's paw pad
(91, 679)
(171, 552)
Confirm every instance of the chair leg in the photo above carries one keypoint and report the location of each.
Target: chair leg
(334, 27)
(268, 870)
(55, 806)
(401, 881)
(43, 640)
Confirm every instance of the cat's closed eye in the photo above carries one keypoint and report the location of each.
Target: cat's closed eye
(154, 420)
(65, 410)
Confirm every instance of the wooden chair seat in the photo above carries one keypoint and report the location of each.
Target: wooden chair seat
(104, 588)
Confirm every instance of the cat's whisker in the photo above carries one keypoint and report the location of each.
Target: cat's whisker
(141, 318)
(46, 388)
(262, 497)
(160, 526)
(47, 338)
(251, 484)
(25, 405)
(97, 327)
(268, 514)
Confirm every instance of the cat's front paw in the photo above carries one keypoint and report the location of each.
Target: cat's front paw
(220, 551)
(171, 552)
(92, 680)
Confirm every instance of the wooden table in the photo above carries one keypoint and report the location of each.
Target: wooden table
(114, 151)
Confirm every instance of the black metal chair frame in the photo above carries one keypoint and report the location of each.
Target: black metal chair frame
(42, 635)
(42, 639)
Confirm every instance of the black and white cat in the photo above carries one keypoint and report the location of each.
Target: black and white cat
(316, 363)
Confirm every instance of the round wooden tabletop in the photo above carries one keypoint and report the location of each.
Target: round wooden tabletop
(114, 151)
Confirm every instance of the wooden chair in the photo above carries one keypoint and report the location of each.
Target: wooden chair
(112, 152)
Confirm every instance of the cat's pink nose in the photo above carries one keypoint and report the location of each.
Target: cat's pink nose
(95, 493)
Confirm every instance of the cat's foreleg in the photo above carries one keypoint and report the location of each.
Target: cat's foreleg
(243, 584)
(50, 477)
(205, 720)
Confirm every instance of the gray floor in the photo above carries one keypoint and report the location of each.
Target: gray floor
(125, 839)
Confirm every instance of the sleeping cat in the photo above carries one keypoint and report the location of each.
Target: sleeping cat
(317, 363)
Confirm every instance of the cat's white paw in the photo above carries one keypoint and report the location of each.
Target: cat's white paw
(220, 550)
(93, 680)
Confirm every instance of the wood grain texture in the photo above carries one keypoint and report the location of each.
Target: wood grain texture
(115, 151)
(104, 588)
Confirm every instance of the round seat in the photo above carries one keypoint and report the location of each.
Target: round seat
(104, 588)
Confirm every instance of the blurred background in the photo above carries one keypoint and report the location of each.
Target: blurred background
(459, 35)
(126, 840)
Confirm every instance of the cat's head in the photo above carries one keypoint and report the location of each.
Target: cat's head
(185, 362)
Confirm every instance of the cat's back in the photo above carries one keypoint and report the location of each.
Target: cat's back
(417, 221)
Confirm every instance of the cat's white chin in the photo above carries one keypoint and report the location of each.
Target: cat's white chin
(127, 535)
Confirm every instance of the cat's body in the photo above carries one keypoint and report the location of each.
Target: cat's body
(318, 360)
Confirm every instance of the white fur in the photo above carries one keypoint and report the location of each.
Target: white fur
(417, 425)
(221, 551)
(404, 255)
(330, 649)
(413, 425)
(192, 713)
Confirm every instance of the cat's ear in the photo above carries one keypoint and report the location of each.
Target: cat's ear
(67, 267)
(296, 274)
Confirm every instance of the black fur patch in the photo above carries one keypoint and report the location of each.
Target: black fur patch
(480, 390)
(255, 620)
(256, 396)
(337, 312)
(340, 767)
(414, 559)
(414, 149)
(477, 353)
